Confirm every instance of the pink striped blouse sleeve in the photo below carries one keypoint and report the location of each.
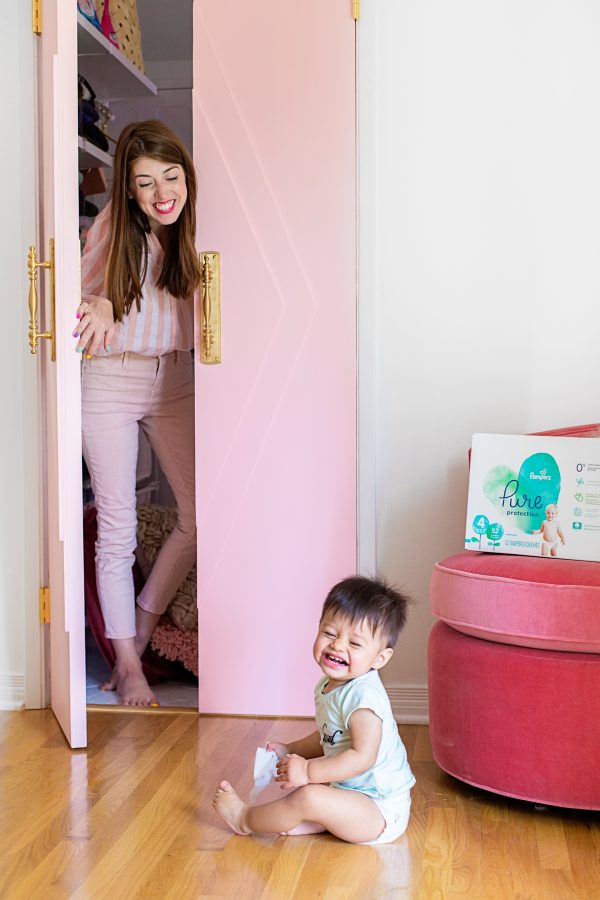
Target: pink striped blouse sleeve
(95, 253)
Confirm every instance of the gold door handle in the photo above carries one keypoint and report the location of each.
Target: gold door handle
(210, 349)
(34, 334)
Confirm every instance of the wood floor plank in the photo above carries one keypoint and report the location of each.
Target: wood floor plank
(195, 876)
(437, 863)
(157, 807)
(468, 862)
(131, 817)
(585, 859)
(94, 810)
(552, 843)
(523, 850)
(21, 734)
(422, 745)
(358, 871)
(558, 884)
(496, 875)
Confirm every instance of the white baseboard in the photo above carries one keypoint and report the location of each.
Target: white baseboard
(12, 691)
(410, 703)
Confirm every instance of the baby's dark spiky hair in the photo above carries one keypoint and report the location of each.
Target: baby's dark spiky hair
(372, 600)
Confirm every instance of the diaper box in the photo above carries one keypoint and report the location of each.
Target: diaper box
(534, 495)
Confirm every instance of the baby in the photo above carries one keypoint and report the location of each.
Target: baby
(551, 531)
(351, 776)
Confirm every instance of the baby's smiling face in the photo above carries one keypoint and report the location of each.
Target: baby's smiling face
(346, 650)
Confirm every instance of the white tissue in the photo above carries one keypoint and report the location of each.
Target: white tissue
(265, 770)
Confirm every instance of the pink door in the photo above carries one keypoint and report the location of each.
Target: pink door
(274, 141)
(58, 222)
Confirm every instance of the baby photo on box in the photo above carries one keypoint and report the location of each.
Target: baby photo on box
(534, 495)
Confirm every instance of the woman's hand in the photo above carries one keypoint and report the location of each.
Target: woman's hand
(292, 770)
(96, 324)
(280, 750)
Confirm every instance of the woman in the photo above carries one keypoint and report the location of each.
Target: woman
(139, 273)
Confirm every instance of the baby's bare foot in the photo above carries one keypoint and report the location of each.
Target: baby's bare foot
(134, 690)
(231, 808)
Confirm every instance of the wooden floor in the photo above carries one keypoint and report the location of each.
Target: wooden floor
(131, 817)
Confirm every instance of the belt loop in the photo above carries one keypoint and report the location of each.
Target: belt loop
(124, 359)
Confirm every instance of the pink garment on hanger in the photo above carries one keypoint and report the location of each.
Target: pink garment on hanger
(108, 29)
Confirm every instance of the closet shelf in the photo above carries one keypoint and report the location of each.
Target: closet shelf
(110, 73)
(90, 156)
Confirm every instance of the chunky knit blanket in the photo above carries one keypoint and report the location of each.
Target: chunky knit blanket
(176, 635)
(155, 524)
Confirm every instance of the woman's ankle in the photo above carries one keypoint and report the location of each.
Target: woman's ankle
(145, 623)
(128, 667)
(127, 657)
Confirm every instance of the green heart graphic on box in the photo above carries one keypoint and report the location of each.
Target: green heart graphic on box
(523, 498)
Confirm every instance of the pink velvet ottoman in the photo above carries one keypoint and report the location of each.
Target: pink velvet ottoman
(514, 676)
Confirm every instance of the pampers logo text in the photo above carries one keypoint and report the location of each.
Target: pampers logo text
(543, 476)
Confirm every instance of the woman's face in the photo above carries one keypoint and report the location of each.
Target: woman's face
(159, 190)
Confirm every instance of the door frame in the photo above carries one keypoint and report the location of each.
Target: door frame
(367, 289)
(34, 689)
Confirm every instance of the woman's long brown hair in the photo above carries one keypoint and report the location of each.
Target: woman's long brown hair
(128, 248)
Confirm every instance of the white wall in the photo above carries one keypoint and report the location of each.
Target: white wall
(479, 262)
(19, 479)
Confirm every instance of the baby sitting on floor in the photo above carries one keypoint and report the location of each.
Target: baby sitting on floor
(351, 776)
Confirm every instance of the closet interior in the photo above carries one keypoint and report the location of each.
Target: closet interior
(134, 63)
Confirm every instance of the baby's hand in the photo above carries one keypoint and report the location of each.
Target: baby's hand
(280, 750)
(292, 770)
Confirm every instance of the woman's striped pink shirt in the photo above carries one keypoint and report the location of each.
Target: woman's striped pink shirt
(164, 323)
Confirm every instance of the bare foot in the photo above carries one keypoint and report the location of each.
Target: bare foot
(305, 828)
(134, 689)
(230, 807)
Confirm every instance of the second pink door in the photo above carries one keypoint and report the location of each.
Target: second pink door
(274, 144)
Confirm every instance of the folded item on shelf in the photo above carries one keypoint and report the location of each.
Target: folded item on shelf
(88, 11)
(93, 134)
(86, 208)
(88, 115)
(94, 181)
(108, 29)
(125, 20)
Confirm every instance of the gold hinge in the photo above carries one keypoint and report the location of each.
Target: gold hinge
(44, 606)
(36, 16)
(356, 10)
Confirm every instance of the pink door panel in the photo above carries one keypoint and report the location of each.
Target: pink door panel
(274, 142)
(59, 217)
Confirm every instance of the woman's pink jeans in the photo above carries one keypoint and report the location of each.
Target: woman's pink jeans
(120, 395)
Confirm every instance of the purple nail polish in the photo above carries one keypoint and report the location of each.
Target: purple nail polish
(75, 334)
(78, 315)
